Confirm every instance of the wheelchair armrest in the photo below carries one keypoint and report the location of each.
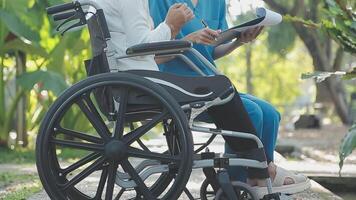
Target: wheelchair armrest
(167, 47)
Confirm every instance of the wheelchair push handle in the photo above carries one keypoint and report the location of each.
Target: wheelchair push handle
(61, 16)
(61, 8)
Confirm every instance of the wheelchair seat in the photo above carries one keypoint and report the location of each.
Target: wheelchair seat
(186, 89)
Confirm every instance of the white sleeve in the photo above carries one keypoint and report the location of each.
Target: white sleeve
(134, 16)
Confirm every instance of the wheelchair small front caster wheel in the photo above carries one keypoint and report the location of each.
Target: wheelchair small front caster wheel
(243, 192)
(206, 191)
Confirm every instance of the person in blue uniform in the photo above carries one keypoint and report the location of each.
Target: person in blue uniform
(210, 16)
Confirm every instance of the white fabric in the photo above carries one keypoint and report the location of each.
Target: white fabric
(130, 23)
(282, 175)
(300, 184)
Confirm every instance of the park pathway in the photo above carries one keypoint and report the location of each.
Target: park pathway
(317, 192)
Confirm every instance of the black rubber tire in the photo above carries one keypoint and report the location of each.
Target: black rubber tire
(203, 190)
(240, 186)
(43, 149)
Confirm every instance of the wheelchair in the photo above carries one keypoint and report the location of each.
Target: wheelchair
(125, 110)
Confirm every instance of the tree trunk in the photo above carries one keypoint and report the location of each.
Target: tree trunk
(332, 89)
(338, 96)
(22, 138)
(3, 140)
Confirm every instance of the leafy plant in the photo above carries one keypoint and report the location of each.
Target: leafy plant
(327, 30)
(339, 23)
(51, 61)
(348, 145)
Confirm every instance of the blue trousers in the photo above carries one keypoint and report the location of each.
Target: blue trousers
(266, 120)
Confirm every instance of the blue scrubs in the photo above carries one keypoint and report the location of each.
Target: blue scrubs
(264, 116)
(215, 20)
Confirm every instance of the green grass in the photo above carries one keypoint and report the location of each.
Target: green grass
(27, 156)
(23, 191)
(18, 186)
(17, 156)
(7, 178)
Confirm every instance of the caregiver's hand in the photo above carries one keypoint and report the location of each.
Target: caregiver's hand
(204, 36)
(177, 16)
(250, 35)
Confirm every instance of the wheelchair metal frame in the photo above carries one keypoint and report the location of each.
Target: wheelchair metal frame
(148, 168)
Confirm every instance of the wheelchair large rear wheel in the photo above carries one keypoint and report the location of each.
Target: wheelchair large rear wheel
(84, 152)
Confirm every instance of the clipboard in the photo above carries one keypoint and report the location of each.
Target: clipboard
(264, 17)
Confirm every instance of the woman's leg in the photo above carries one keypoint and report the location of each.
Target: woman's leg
(233, 116)
(256, 116)
(270, 124)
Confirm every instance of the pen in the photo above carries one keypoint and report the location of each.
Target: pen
(204, 23)
(206, 26)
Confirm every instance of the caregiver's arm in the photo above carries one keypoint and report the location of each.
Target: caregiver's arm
(136, 22)
(245, 37)
(204, 36)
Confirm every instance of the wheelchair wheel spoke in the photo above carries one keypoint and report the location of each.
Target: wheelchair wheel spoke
(112, 169)
(138, 153)
(139, 132)
(120, 121)
(95, 119)
(78, 135)
(84, 174)
(78, 145)
(141, 186)
(101, 185)
(142, 145)
(118, 196)
(80, 163)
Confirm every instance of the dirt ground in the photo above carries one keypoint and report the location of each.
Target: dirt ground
(319, 144)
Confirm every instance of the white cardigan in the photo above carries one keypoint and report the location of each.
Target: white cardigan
(130, 23)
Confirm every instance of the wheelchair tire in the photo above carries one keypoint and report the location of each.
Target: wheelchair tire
(206, 193)
(110, 149)
(243, 190)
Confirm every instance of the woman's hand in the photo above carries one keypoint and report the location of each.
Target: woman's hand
(204, 36)
(178, 14)
(250, 35)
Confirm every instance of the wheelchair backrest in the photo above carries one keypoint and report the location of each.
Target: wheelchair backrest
(99, 34)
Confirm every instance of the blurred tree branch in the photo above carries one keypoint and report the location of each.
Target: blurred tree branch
(304, 19)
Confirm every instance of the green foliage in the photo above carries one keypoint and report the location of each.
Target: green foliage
(341, 23)
(338, 21)
(281, 38)
(350, 75)
(348, 145)
(275, 78)
(349, 142)
(321, 76)
(53, 62)
(19, 45)
(17, 27)
(46, 80)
